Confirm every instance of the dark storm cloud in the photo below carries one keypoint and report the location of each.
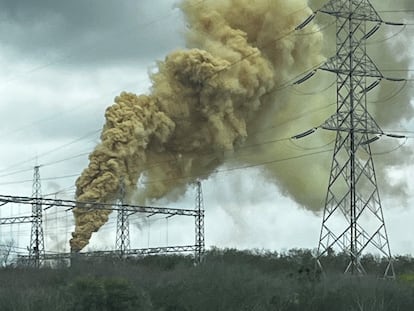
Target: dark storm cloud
(89, 31)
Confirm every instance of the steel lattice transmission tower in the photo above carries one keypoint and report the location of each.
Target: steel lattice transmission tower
(37, 245)
(199, 224)
(122, 243)
(352, 190)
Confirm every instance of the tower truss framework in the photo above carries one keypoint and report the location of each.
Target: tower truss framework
(37, 244)
(353, 219)
(199, 225)
(198, 248)
(122, 243)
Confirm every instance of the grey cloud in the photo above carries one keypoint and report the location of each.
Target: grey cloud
(408, 4)
(89, 32)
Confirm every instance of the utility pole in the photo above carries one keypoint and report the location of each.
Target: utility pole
(122, 243)
(199, 225)
(37, 245)
(353, 193)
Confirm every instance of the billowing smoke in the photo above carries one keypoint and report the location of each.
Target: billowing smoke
(305, 179)
(204, 100)
(222, 100)
(392, 50)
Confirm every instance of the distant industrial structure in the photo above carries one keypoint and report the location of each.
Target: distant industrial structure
(353, 220)
(38, 255)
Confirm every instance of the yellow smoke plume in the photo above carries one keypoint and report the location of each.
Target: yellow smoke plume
(203, 102)
(223, 100)
(224, 93)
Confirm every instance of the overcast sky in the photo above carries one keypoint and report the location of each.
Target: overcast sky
(62, 63)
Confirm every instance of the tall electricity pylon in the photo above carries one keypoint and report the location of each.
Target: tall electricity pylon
(122, 242)
(352, 190)
(199, 224)
(37, 245)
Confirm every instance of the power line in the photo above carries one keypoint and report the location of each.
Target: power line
(391, 150)
(75, 156)
(286, 84)
(239, 167)
(150, 165)
(398, 70)
(232, 157)
(393, 95)
(41, 67)
(201, 2)
(227, 67)
(320, 29)
(65, 159)
(51, 150)
(125, 30)
(282, 36)
(43, 179)
(296, 91)
(63, 190)
(300, 116)
(46, 164)
(282, 86)
(388, 38)
(396, 11)
(16, 172)
(58, 115)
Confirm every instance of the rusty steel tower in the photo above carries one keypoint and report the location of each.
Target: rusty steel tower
(353, 220)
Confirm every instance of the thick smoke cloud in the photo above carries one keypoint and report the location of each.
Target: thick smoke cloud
(203, 102)
(306, 179)
(211, 103)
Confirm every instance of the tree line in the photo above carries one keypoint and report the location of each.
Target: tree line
(227, 279)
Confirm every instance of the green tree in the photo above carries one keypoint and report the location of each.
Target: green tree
(90, 294)
(87, 294)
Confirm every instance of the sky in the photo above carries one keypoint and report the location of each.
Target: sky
(62, 64)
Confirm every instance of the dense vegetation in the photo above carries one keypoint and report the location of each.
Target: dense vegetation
(226, 280)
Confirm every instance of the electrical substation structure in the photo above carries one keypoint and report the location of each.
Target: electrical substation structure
(37, 244)
(353, 220)
(38, 255)
(122, 240)
(199, 224)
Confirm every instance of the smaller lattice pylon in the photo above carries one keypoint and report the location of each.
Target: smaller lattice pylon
(122, 242)
(199, 225)
(37, 245)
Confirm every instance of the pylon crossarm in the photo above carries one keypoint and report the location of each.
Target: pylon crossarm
(331, 125)
(16, 220)
(116, 253)
(90, 206)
